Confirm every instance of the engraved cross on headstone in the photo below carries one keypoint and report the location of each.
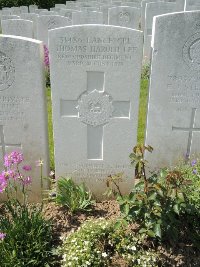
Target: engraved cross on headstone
(95, 108)
(191, 129)
(3, 144)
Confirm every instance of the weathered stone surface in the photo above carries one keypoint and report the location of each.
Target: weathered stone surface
(87, 17)
(32, 17)
(17, 27)
(173, 122)
(95, 101)
(153, 9)
(124, 16)
(46, 23)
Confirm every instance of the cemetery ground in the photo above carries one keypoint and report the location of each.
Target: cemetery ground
(158, 224)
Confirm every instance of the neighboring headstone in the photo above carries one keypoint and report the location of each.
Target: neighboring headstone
(46, 23)
(104, 9)
(32, 17)
(132, 4)
(24, 9)
(5, 17)
(173, 120)
(7, 12)
(67, 12)
(143, 11)
(38, 11)
(17, 27)
(180, 4)
(87, 17)
(23, 115)
(95, 115)
(190, 3)
(124, 16)
(32, 8)
(192, 7)
(116, 3)
(153, 9)
(52, 13)
(60, 6)
(16, 11)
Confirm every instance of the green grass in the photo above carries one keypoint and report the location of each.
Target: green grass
(141, 122)
(142, 110)
(50, 126)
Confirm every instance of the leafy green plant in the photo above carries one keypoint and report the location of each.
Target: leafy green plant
(146, 72)
(75, 197)
(86, 247)
(112, 183)
(25, 236)
(157, 203)
(28, 238)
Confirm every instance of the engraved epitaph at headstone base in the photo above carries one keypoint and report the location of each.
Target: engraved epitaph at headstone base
(95, 101)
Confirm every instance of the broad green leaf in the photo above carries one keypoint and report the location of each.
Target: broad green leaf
(157, 230)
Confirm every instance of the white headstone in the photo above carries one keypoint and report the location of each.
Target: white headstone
(42, 13)
(24, 9)
(87, 17)
(124, 16)
(18, 27)
(32, 17)
(32, 8)
(23, 116)
(153, 9)
(67, 12)
(5, 17)
(173, 122)
(46, 23)
(7, 12)
(16, 11)
(38, 11)
(95, 115)
(143, 10)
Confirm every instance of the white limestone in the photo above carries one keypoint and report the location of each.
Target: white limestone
(17, 27)
(124, 16)
(87, 17)
(46, 23)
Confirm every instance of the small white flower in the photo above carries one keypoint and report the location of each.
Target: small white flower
(133, 248)
(104, 254)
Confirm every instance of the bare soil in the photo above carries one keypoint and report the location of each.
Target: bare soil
(182, 254)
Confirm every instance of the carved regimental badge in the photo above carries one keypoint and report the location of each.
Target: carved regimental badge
(7, 72)
(95, 108)
(191, 51)
(51, 24)
(124, 17)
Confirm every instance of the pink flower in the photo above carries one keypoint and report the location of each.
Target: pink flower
(9, 174)
(2, 236)
(27, 168)
(3, 183)
(26, 181)
(46, 56)
(14, 157)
